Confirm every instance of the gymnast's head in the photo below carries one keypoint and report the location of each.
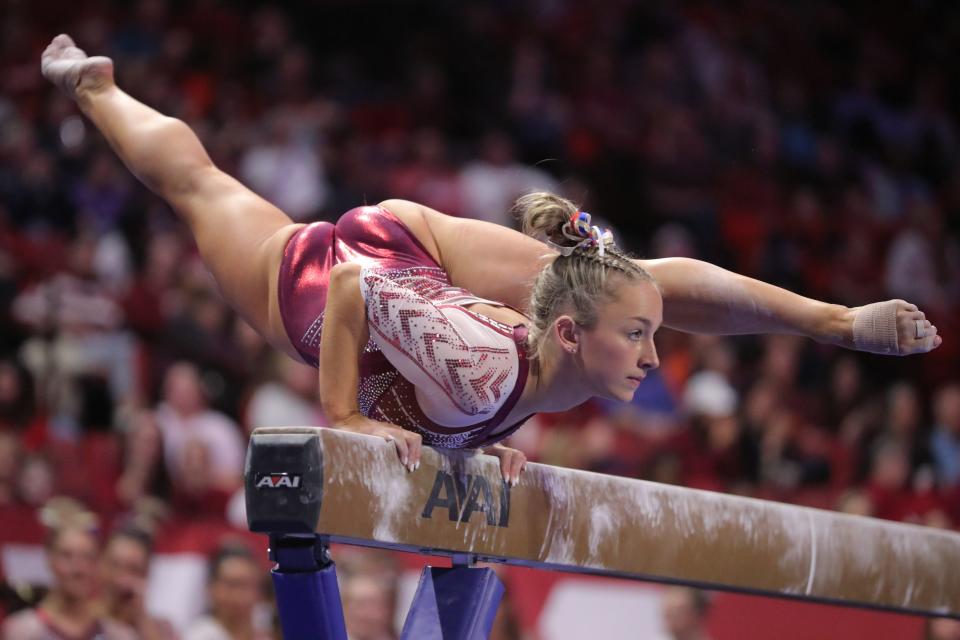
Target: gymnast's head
(592, 305)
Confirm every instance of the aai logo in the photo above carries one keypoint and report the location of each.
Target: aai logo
(278, 481)
(465, 494)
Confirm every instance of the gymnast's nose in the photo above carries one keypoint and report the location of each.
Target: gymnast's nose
(648, 357)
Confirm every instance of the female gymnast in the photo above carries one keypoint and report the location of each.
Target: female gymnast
(463, 328)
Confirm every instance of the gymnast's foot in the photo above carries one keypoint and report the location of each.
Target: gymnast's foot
(72, 71)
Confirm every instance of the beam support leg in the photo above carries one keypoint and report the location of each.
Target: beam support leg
(305, 580)
(456, 603)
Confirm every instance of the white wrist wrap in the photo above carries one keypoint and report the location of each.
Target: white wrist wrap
(875, 328)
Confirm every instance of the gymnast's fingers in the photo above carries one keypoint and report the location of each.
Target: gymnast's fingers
(517, 463)
(512, 462)
(504, 457)
(400, 442)
(414, 448)
(502, 454)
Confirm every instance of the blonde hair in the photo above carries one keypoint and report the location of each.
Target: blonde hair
(577, 283)
(61, 514)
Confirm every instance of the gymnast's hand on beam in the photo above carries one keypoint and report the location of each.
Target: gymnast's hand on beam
(512, 462)
(408, 443)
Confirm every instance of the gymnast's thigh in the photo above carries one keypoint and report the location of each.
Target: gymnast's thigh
(275, 332)
(240, 237)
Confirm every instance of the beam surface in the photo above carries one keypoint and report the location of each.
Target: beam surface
(352, 489)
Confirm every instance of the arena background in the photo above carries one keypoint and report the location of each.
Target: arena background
(807, 144)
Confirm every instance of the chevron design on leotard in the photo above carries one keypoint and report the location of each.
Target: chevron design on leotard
(471, 376)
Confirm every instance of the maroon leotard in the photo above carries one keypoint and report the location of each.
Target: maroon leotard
(399, 271)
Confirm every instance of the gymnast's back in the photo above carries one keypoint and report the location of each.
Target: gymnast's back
(431, 365)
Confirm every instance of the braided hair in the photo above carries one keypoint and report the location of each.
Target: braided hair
(587, 272)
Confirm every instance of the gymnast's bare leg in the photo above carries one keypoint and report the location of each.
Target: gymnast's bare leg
(239, 234)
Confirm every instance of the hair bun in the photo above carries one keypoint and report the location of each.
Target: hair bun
(561, 224)
(543, 215)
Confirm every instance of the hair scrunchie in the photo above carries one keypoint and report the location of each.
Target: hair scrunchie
(578, 228)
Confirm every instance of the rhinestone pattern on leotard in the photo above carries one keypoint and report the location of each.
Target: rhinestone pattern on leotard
(399, 406)
(399, 315)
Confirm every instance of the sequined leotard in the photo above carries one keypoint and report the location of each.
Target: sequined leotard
(431, 365)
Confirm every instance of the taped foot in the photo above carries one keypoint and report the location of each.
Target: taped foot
(71, 70)
(875, 328)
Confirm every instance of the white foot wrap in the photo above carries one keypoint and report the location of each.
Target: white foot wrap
(875, 328)
(64, 64)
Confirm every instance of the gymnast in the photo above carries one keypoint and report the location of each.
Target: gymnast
(445, 331)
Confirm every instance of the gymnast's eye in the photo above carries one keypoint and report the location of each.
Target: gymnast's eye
(636, 335)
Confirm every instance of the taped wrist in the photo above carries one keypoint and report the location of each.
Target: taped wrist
(875, 328)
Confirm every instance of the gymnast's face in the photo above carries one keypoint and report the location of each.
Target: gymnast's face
(73, 561)
(617, 352)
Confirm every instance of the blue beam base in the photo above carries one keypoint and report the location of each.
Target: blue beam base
(308, 598)
(453, 604)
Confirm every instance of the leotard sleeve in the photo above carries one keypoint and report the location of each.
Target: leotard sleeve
(462, 365)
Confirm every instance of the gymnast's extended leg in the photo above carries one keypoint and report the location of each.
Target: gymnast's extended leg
(239, 234)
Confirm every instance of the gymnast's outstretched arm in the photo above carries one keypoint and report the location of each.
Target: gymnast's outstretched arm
(702, 298)
(499, 263)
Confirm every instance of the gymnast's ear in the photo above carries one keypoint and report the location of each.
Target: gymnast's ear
(568, 333)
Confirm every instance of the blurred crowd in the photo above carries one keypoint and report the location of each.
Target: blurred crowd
(811, 145)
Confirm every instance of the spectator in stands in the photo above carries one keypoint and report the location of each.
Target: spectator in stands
(70, 609)
(846, 392)
(152, 297)
(942, 629)
(854, 272)
(945, 439)
(102, 197)
(77, 329)
(506, 625)
(18, 409)
(234, 591)
(285, 166)
(888, 487)
(200, 332)
(495, 179)
(855, 502)
(710, 450)
(428, 175)
(124, 567)
(369, 591)
(684, 613)
(288, 399)
(903, 422)
(923, 262)
(184, 418)
(368, 607)
(196, 493)
(10, 455)
(144, 473)
(36, 480)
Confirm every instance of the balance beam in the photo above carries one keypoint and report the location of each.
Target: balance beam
(352, 489)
